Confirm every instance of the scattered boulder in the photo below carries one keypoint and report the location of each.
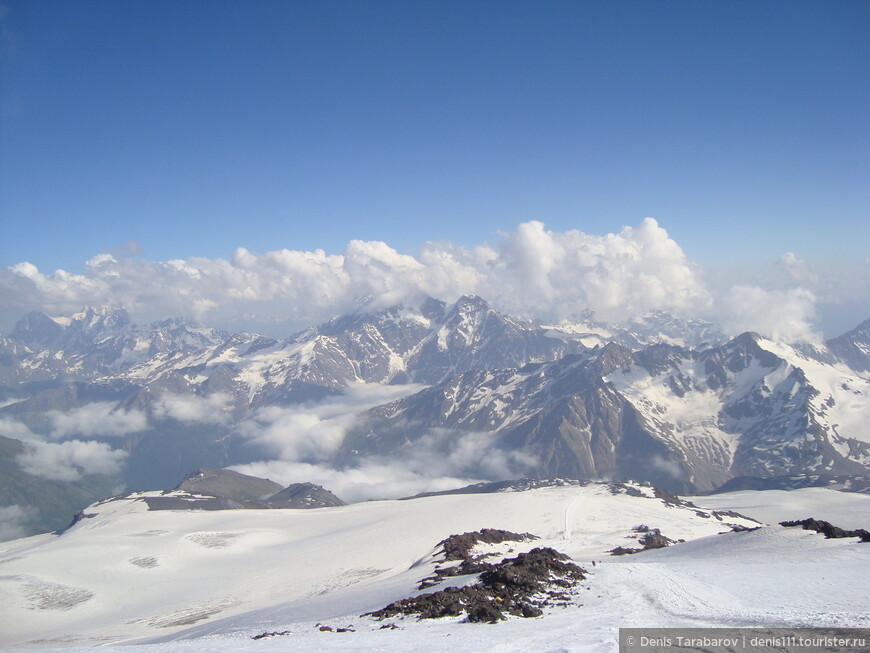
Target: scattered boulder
(827, 529)
(652, 538)
(655, 540)
(272, 634)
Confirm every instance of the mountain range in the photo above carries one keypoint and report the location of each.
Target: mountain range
(460, 390)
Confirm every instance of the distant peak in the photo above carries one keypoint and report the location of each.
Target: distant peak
(863, 327)
(472, 300)
(747, 338)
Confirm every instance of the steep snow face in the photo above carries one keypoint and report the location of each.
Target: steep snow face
(678, 406)
(680, 418)
(751, 407)
(841, 402)
(180, 581)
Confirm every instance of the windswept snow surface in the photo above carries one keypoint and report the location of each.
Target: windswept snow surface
(199, 580)
(847, 510)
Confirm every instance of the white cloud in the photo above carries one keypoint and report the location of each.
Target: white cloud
(11, 428)
(305, 440)
(531, 270)
(447, 453)
(798, 270)
(431, 464)
(14, 520)
(99, 419)
(781, 315)
(669, 467)
(296, 434)
(619, 276)
(68, 461)
(314, 432)
(371, 480)
(211, 409)
(528, 271)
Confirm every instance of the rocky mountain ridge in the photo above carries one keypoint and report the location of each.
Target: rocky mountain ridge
(474, 388)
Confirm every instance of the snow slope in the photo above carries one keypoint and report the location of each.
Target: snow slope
(844, 509)
(199, 580)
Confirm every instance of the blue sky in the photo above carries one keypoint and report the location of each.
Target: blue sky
(192, 129)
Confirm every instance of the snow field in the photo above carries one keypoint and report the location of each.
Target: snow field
(198, 580)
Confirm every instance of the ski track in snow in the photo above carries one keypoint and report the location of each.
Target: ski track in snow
(570, 510)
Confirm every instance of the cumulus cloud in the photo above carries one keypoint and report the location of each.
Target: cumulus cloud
(617, 275)
(530, 270)
(211, 409)
(14, 520)
(68, 461)
(99, 419)
(786, 315)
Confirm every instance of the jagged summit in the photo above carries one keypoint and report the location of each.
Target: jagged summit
(38, 330)
(480, 394)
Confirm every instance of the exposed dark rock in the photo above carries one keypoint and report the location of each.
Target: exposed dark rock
(513, 586)
(739, 528)
(230, 484)
(852, 348)
(272, 634)
(304, 495)
(828, 529)
(458, 547)
(651, 539)
(295, 496)
(623, 550)
(655, 540)
(186, 501)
